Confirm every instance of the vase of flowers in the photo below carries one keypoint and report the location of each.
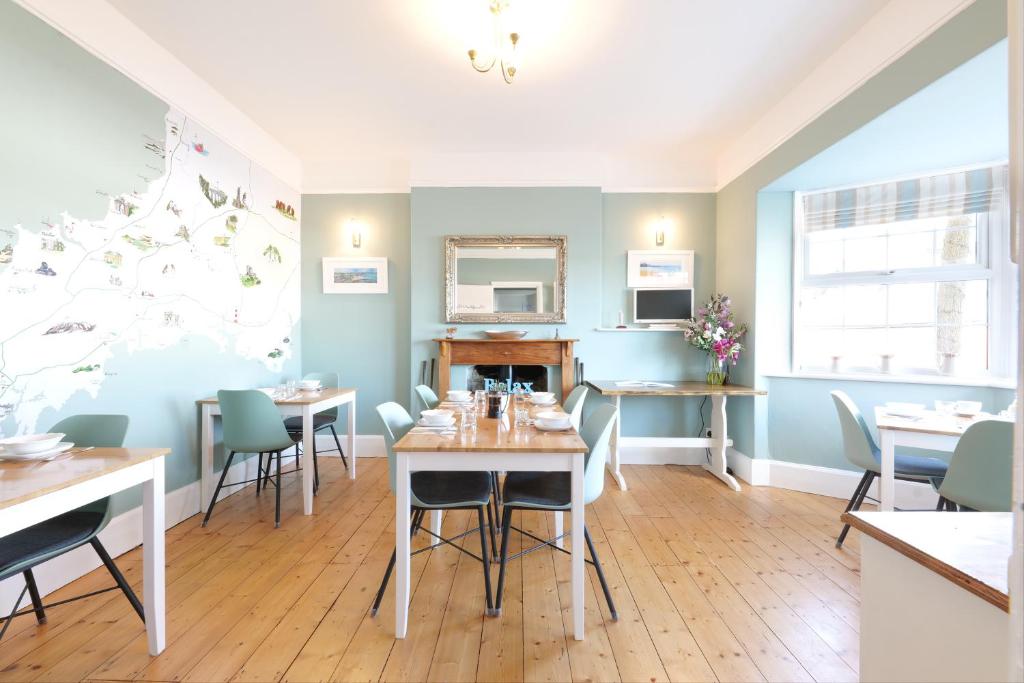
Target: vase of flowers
(714, 332)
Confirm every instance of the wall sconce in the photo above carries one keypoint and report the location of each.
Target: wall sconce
(659, 231)
(355, 228)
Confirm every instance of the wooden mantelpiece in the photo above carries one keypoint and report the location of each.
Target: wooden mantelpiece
(505, 352)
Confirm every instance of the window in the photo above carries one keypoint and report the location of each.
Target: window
(910, 277)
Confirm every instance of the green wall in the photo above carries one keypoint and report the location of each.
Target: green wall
(393, 332)
(70, 126)
(975, 29)
(364, 337)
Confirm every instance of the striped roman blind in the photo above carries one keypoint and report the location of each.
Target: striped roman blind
(949, 194)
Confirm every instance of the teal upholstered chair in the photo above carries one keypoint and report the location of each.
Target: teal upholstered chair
(252, 424)
(437, 491)
(427, 397)
(322, 420)
(980, 474)
(23, 550)
(861, 451)
(573, 405)
(553, 491)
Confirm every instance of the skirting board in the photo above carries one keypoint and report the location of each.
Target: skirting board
(124, 531)
(822, 481)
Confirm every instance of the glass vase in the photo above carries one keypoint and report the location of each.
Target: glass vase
(717, 373)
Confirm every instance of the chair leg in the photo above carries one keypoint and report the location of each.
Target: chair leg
(417, 519)
(220, 484)
(600, 574)
(496, 497)
(14, 611)
(506, 522)
(490, 527)
(118, 577)
(485, 554)
(277, 506)
(941, 505)
(338, 444)
(951, 506)
(855, 502)
(33, 592)
(316, 470)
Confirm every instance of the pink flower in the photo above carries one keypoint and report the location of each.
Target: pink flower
(728, 324)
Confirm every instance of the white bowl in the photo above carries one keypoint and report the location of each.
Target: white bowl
(30, 443)
(542, 394)
(459, 396)
(552, 419)
(436, 417)
(309, 384)
(967, 408)
(543, 400)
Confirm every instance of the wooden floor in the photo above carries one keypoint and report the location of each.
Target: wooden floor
(709, 584)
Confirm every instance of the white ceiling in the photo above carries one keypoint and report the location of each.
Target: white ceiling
(620, 93)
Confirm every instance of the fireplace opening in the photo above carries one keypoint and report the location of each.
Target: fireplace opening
(533, 377)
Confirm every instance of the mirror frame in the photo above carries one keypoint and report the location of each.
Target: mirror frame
(453, 242)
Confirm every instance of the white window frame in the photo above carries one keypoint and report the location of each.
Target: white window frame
(994, 266)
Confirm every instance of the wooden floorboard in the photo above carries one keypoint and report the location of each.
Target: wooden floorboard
(709, 584)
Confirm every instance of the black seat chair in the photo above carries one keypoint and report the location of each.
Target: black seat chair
(438, 491)
(551, 491)
(324, 420)
(24, 550)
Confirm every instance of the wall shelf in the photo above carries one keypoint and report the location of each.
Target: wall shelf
(636, 329)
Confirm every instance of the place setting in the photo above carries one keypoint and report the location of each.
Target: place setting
(36, 448)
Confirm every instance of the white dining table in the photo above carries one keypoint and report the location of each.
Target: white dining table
(495, 446)
(303, 403)
(929, 430)
(32, 492)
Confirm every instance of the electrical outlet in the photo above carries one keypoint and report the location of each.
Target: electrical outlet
(707, 434)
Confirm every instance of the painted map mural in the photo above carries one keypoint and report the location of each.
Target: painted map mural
(205, 246)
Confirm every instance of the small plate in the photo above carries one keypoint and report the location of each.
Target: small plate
(48, 454)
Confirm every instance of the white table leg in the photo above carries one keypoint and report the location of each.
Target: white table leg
(206, 455)
(436, 516)
(887, 480)
(720, 437)
(352, 438)
(153, 557)
(559, 528)
(577, 545)
(613, 452)
(307, 456)
(402, 511)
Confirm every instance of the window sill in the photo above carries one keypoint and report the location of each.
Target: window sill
(941, 380)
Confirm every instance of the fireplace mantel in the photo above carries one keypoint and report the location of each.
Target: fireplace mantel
(505, 352)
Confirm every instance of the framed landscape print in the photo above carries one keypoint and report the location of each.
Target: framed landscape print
(355, 275)
(659, 268)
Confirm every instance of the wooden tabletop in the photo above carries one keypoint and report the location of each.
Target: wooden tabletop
(970, 549)
(494, 436)
(303, 397)
(478, 340)
(610, 387)
(22, 481)
(930, 422)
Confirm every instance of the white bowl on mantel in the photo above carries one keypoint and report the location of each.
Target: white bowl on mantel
(30, 443)
(507, 335)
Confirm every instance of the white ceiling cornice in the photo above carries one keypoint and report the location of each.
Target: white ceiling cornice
(100, 29)
(883, 39)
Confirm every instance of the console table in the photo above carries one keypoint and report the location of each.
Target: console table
(505, 352)
(719, 440)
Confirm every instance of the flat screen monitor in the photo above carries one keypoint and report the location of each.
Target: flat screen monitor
(662, 305)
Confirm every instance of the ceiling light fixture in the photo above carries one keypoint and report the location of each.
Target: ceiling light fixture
(504, 45)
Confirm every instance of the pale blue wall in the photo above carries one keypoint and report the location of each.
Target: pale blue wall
(775, 426)
(71, 125)
(364, 337)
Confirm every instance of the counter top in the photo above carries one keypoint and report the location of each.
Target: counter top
(971, 549)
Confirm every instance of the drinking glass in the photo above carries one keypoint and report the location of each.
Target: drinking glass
(480, 398)
(468, 421)
(292, 388)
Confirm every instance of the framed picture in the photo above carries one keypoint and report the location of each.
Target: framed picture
(659, 268)
(355, 275)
